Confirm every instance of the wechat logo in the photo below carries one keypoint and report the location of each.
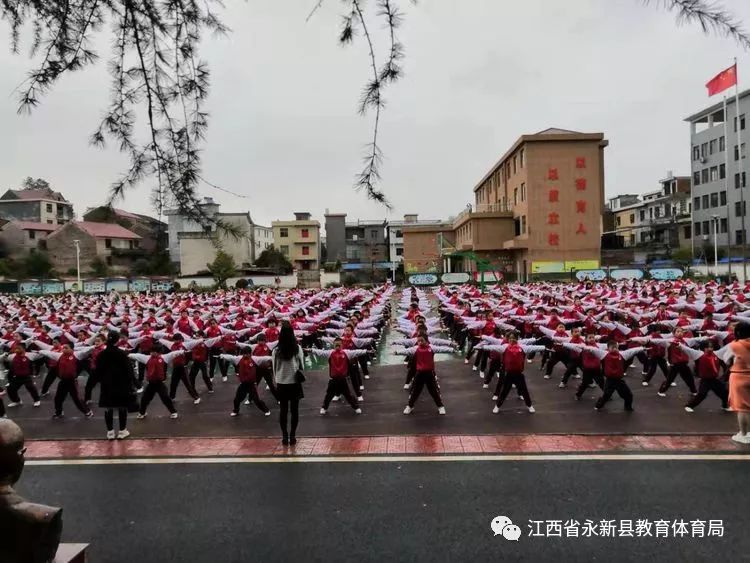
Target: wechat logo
(503, 526)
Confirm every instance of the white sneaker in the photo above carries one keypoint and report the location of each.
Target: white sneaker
(360, 398)
(562, 385)
(323, 411)
(532, 410)
(546, 376)
(197, 401)
(495, 397)
(110, 434)
(357, 411)
(139, 390)
(247, 401)
(361, 387)
(441, 410)
(173, 415)
(485, 386)
(122, 434)
(336, 398)
(369, 363)
(141, 416)
(466, 361)
(644, 383)
(674, 384)
(408, 410)
(474, 368)
(16, 404)
(529, 361)
(225, 379)
(233, 413)
(37, 403)
(726, 409)
(267, 413)
(661, 394)
(495, 409)
(367, 377)
(739, 437)
(407, 386)
(688, 409)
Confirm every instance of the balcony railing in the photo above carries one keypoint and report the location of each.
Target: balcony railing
(498, 207)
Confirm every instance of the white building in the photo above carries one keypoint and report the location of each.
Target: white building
(263, 239)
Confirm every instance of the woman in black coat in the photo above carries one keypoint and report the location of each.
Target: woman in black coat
(117, 379)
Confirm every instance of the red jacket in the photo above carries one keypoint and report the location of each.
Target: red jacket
(199, 353)
(156, 369)
(707, 366)
(20, 366)
(179, 361)
(246, 370)
(614, 365)
(677, 355)
(67, 367)
(425, 358)
(338, 364)
(590, 361)
(514, 359)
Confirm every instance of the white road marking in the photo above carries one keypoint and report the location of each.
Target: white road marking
(387, 459)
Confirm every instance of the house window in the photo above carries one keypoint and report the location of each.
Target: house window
(697, 228)
(714, 199)
(722, 144)
(705, 202)
(706, 229)
(284, 249)
(109, 260)
(137, 243)
(712, 147)
(742, 122)
(722, 171)
(305, 233)
(704, 150)
(515, 196)
(523, 224)
(644, 237)
(722, 198)
(283, 232)
(50, 222)
(737, 183)
(399, 234)
(521, 157)
(696, 178)
(130, 244)
(696, 152)
(373, 233)
(305, 251)
(696, 203)
(723, 225)
(657, 212)
(714, 171)
(632, 240)
(740, 208)
(399, 251)
(618, 221)
(514, 165)
(643, 215)
(704, 175)
(107, 243)
(632, 218)
(686, 232)
(523, 191)
(737, 151)
(49, 208)
(738, 238)
(32, 235)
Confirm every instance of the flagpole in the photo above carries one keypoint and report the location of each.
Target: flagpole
(739, 167)
(726, 181)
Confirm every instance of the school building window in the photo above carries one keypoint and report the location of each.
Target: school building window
(714, 199)
(737, 183)
(714, 171)
(686, 232)
(722, 144)
(723, 226)
(107, 243)
(740, 208)
(284, 249)
(696, 203)
(738, 238)
(305, 251)
(305, 233)
(712, 147)
(697, 228)
(704, 175)
(696, 178)
(722, 171)
(722, 198)
(284, 232)
(742, 122)
(696, 152)
(705, 202)
(643, 215)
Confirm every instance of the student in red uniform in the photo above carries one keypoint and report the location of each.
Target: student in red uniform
(656, 357)
(67, 369)
(199, 356)
(574, 357)
(613, 366)
(93, 379)
(265, 371)
(246, 370)
(156, 374)
(591, 366)
(19, 375)
(179, 373)
(424, 356)
(558, 352)
(51, 376)
(213, 331)
(708, 366)
(679, 360)
(514, 362)
(338, 371)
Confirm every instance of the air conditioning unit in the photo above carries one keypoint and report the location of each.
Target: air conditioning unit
(704, 160)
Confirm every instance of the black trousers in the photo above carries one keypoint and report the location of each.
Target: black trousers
(179, 375)
(519, 380)
(2, 408)
(266, 374)
(481, 360)
(91, 382)
(706, 385)
(411, 369)
(590, 376)
(574, 364)
(338, 386)
(109, 418)
(684, 372)
(424, 379)
(356, 378)
(362, 360)
(213, 359)
(49, 379)
(203, 369)
(642, 357)
(660, 362)
(156, 388)
(141, 373)
(555, 357)
(15, 383)
(68, 387)
(473, 341)
(612, 384)
(495, 366)
(246, 389)
(285, 406)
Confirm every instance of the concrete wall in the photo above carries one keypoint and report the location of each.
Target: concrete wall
(329, 278)
(18, 241)
(205, 281)
(335, 238)
(421, 252)
(62, 251)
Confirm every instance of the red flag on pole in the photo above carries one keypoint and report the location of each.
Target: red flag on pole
(725, 79)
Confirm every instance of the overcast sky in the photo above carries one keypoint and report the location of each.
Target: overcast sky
(285, 133)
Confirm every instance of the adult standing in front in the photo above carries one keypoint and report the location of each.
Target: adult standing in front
(288, 361)
(739, 381)
(118, 384)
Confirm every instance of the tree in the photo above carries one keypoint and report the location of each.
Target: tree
(275, 260)
(99, 268)
(222, 268)
(37, 265)
(35, 184)
(157, 72)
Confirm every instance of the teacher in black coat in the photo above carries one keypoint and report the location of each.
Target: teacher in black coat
(117, 379)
